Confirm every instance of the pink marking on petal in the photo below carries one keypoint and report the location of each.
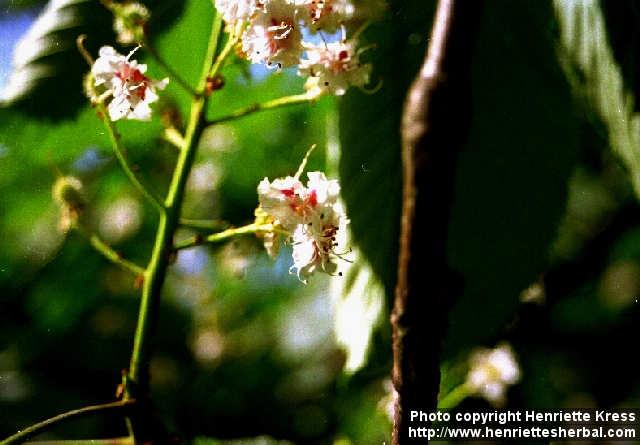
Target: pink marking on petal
(289, 193)
(312, 200)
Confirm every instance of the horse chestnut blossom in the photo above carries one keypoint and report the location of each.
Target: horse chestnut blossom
(312, 214)
(273, 36)
(234, 11)
(333, 68)
(492, 370)
(327, 15)
(125, 80)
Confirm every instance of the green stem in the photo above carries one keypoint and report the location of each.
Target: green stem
(227, 234)
(23, 435)
(115, 138)
(213, 70)
(270, 105)
(203, 224)
(454, 397)
(110, 254)
(137, 381)
(127, 440)
(173, 136)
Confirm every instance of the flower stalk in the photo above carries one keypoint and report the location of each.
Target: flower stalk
(118, 149)
(454, 397)
(250, 229)
(137, 379)
(119, 89)
(122, 406)
(269, 105)
(110, 254)
(203, 224)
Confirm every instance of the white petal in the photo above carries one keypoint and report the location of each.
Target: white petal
(141, 112)
(119, 107)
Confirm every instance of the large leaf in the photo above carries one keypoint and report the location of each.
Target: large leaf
(47, 67)
(512, 177)
(369, 167)
(511, 185)
(369, 131)
(598, 80)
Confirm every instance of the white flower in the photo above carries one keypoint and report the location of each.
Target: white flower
(315, 243)
(313, 215)
(285, 199)
(125, 80)
(273, 36)
(492, 370)
(236, 10)
(333, 68)
(311, 253)
(326, 15)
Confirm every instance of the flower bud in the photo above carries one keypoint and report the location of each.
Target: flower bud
(130, 20)
(492, 371)
(67, 193)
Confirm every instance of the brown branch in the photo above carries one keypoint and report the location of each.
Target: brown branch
(435, 126)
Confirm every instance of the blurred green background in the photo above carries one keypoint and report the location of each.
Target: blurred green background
(545, 227)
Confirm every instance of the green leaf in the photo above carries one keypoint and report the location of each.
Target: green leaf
(46, 79)
(370, 176)
(597, 79)
(512, 179)
(512, 176)
(370, 172)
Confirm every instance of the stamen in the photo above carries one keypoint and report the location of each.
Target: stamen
(132, 52)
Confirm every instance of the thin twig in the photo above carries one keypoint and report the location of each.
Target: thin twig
(203, 224)
(136, 382)
(110, 254)
(83, 51)
(435, 126)
(234, 38)
(118, 149)
(270, 105)
(127, 440)
(454, 397)
(228, 234)
(173, 136)
(45, 425)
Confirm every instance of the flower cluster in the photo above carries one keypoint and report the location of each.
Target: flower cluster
(125, 80)
(492, 371)
(274, 36)
(311, 214)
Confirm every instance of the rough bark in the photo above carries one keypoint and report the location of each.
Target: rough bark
(435, 126)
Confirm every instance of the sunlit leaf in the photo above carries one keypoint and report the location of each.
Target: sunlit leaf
(370, 176)
(598, 80)
(47, 68)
